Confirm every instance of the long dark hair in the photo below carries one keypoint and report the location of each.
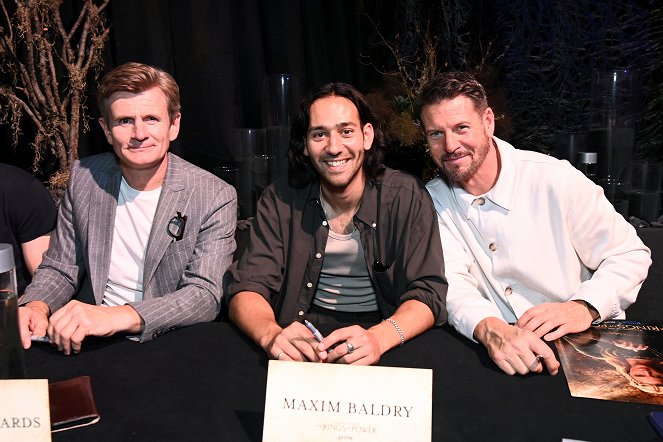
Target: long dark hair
(300, 169)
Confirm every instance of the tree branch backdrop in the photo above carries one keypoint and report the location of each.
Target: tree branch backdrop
(537, 59)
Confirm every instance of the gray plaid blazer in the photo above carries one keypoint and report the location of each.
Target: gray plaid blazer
(181, 279)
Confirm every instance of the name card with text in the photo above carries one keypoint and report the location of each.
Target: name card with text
(24, 410)
(330, 402)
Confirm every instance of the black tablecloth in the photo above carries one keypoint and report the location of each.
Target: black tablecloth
(208, 382)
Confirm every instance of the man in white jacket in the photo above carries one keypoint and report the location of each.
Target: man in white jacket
(532, 248)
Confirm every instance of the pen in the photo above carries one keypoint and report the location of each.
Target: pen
(40, 339)
(313, 330)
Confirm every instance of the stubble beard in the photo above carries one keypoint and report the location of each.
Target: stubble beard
(463, 175)
(339, 181)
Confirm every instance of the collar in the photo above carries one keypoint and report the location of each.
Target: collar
(368, 209)
(175, 174)
(367, 212)
(503, 191)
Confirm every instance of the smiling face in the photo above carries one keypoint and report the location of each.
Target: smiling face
(336, 142)
(140, 131)
(460, 140)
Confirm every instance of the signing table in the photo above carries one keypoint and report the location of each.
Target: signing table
(207, 382)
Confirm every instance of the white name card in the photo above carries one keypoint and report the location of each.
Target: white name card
(24, 411)
(333, 402)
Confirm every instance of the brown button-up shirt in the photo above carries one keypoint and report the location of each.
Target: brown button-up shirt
(289, 233)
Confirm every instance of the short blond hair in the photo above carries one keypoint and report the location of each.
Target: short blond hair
(136, 78)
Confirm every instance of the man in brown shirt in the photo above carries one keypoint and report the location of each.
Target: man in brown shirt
(344, 241)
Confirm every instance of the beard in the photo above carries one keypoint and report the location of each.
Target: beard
(462, 175)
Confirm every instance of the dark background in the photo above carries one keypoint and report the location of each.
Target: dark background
(537, 60)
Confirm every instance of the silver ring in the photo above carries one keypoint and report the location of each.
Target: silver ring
(351, 347)
(536, 362)
(278, 356)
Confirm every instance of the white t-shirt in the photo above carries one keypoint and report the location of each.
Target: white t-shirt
(133, 222)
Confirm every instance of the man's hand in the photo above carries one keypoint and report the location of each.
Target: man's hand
(255, 317)
(553, 320)
(513, 349)
(294, 343)
(32, 320)
(72, 323)
(363, 343)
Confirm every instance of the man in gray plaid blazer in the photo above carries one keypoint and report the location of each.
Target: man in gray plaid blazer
(142, 235)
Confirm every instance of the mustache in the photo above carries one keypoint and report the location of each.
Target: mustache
(454, 155)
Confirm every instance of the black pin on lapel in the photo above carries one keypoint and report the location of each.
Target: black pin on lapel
(176, 226)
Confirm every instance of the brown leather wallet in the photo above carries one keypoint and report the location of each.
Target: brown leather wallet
(72, 404)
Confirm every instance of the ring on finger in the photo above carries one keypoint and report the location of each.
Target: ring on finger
(351, 348)
(278, 356)
(536, 362)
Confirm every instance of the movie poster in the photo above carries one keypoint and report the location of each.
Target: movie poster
(615, 360)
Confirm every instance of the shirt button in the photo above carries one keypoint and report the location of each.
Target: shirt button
(508, 291)
(318, 255)
(480, 201)
(324, 223)
(492, 246)
(301, 313)
(309, 285)
(374, 225)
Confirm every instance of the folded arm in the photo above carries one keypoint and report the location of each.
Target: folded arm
(606, 242)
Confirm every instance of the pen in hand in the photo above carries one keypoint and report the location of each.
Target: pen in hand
(45, 339)
(313, 330)
(318, 335)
